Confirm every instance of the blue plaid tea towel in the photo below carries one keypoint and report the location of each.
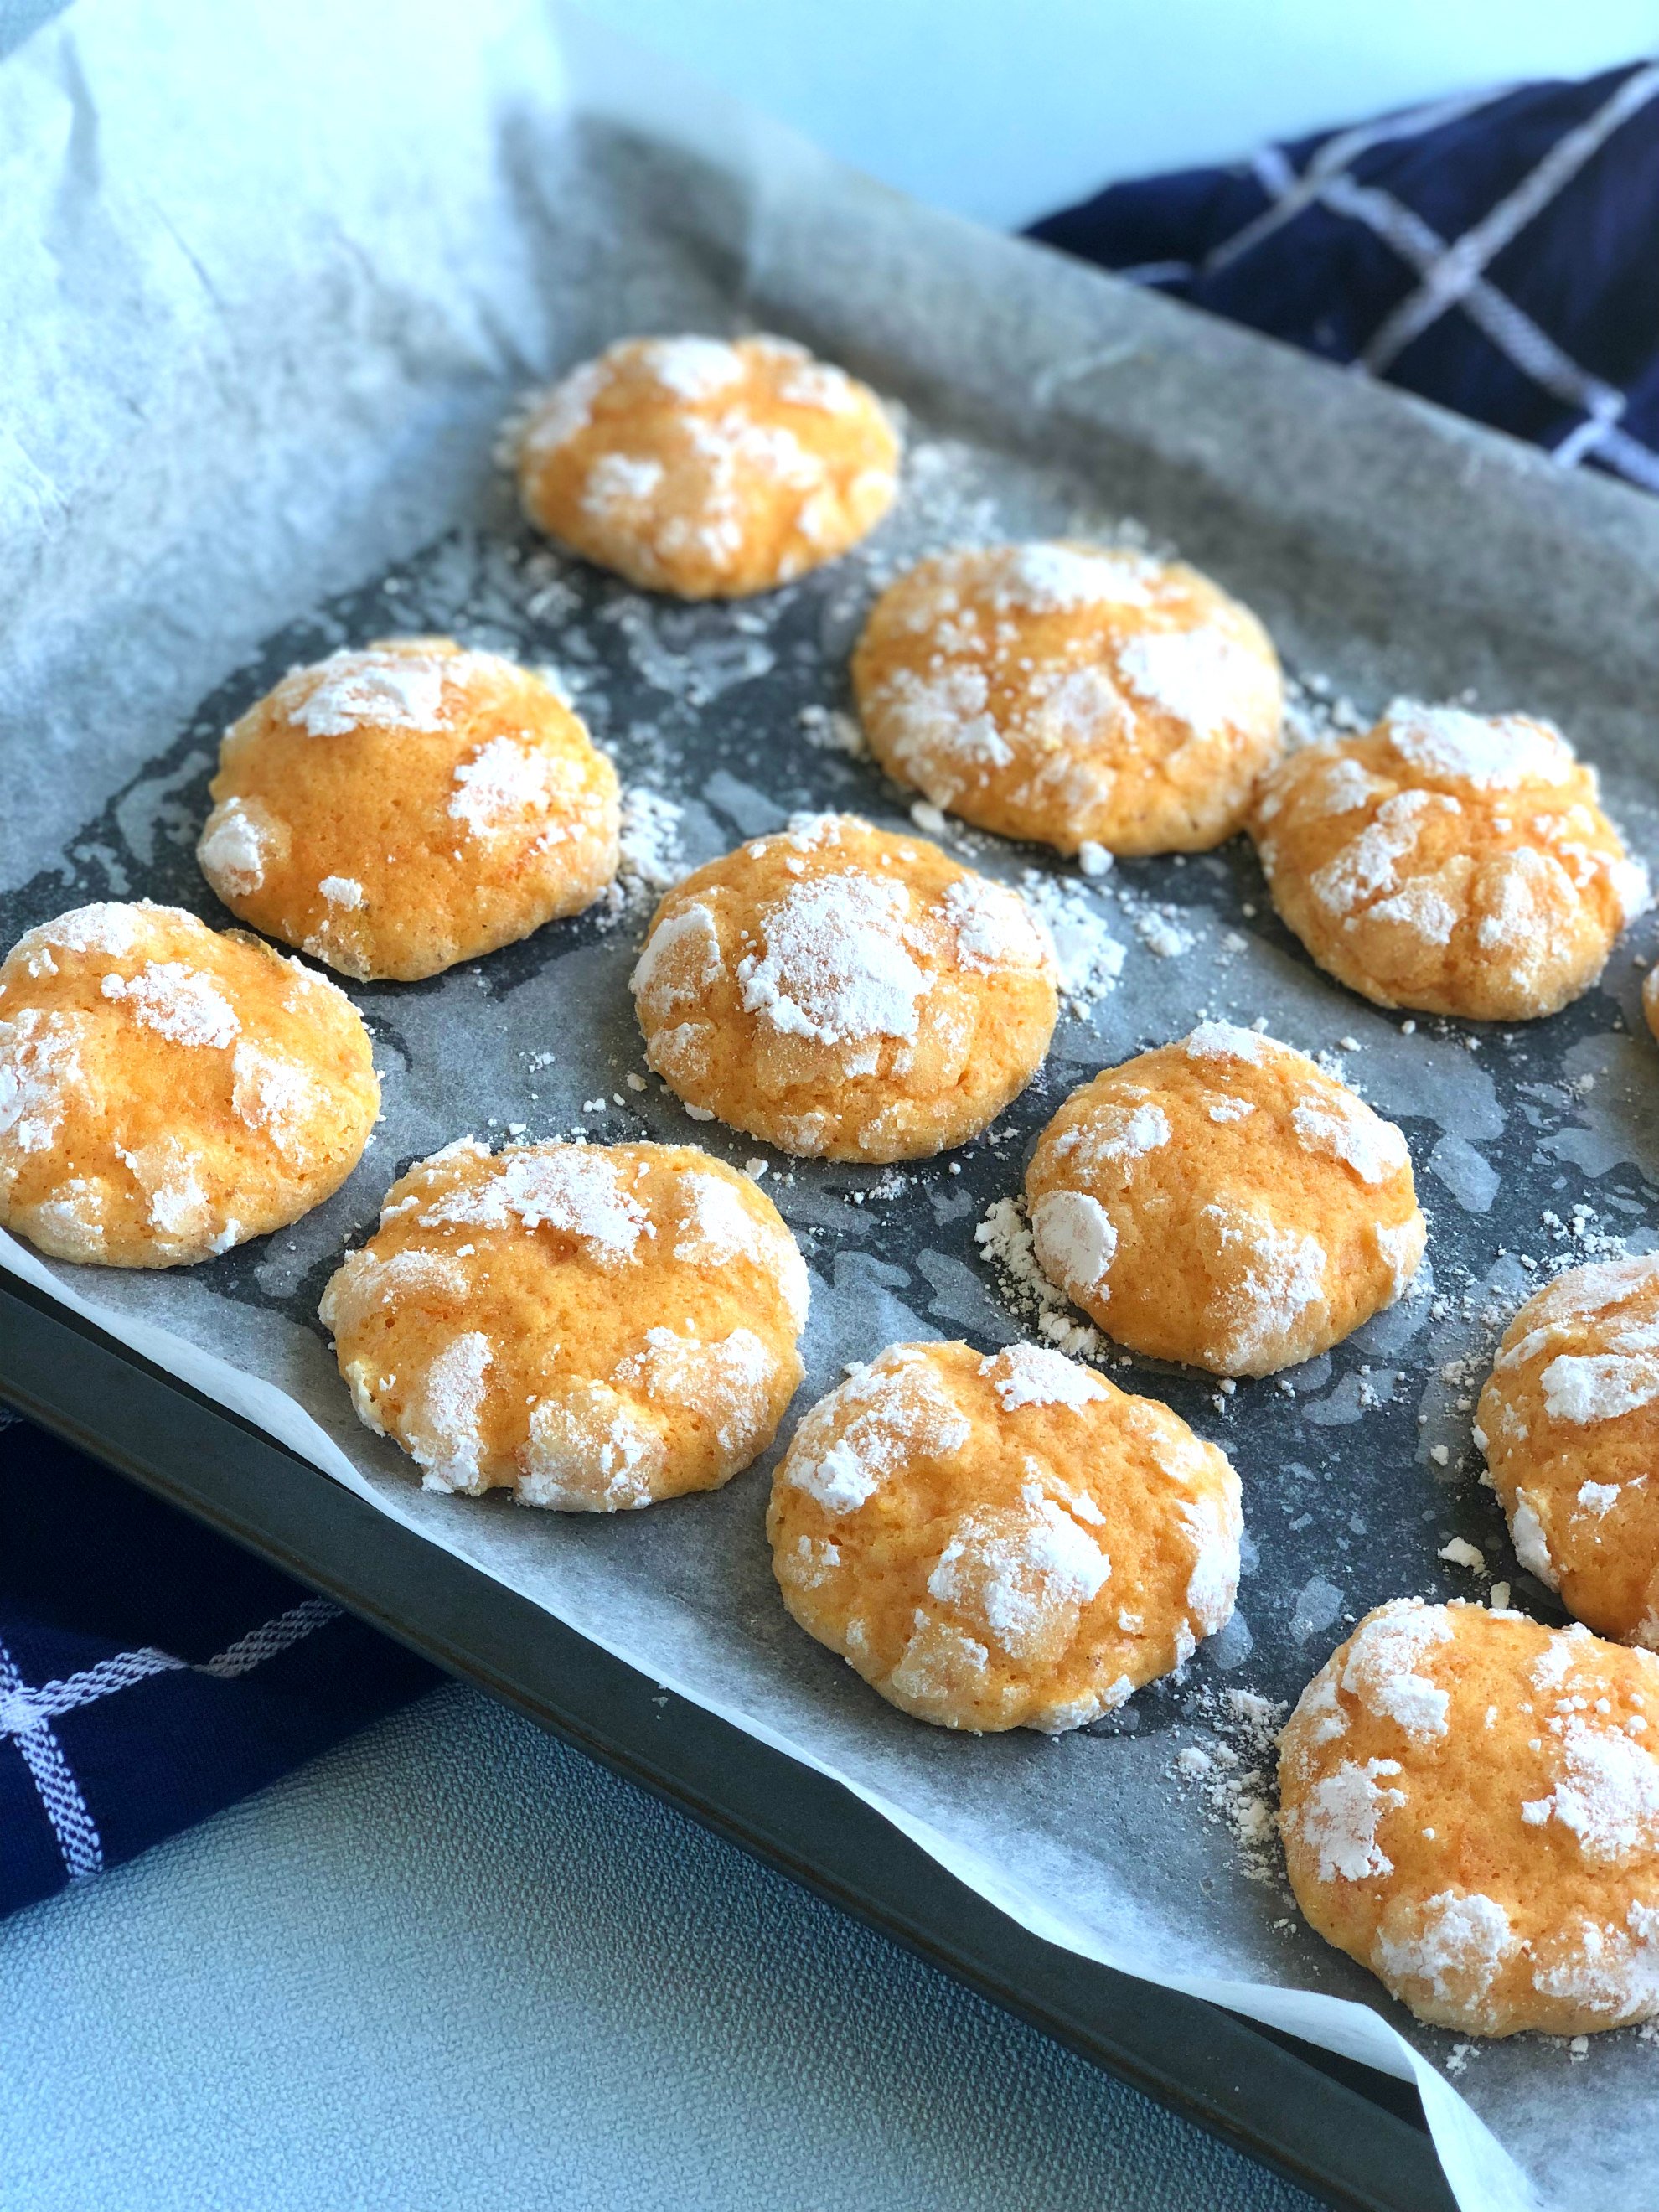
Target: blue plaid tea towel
(1497, 252)
(150, 1672)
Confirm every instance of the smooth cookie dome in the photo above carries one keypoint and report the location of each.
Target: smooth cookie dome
(1071, 693)
(401, 806)
(167, 1091)
(1223, 1201)
(1569, 1421)
(705, 467)
(1457, 863)
(592, 1327)
(1470, 1808)
(845, 994)
(1005, 1540)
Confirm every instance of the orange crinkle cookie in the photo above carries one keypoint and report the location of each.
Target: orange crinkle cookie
(1470, 1808)
(401, 807)
(845, 992)
(591, 1326)
(710, 468)
(1084, 696)
(167, 1091)
(1004, 1540)
(1223, 1201)
(1456, 863)
(1569, 1421)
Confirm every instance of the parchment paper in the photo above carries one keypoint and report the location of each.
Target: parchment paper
(271, 276)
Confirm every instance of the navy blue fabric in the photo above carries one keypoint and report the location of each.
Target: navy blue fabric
(1498, 253)
(150, 1672)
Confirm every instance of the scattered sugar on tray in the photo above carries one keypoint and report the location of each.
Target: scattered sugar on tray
(1235, 1769)
(830, 730)
(650, 857)
(1314, 712)
(1006, 1238)
(1091, 958)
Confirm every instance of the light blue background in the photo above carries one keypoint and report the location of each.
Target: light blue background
(454, 1965)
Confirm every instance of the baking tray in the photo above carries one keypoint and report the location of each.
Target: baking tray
(1384, 544)
(1351, 2136)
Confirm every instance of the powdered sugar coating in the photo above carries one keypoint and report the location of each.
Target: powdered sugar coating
(1002, 1541)
(502, 780)
(1076, 1241)
(1338, 1820)
(1493, 752)
(629, 1316)
(178, 1002)
(995, 929)
(1381, 1666)
(354, 689)
(1033, 1374)
(1457, 1942)
(835, 965)
(241, 836)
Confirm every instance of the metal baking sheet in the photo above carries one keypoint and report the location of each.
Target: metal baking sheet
(1387, 548)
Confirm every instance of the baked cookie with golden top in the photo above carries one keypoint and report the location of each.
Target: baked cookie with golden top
(845, 994)
(1569, 1421)
(1002, 1541)
(707, 467)
(167, 1091)
(592, 1327)
(1456, 863)
(1650, 1001)
(1470, 1808)
(1223, 1201)
(1071, 693)
(403, 806)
